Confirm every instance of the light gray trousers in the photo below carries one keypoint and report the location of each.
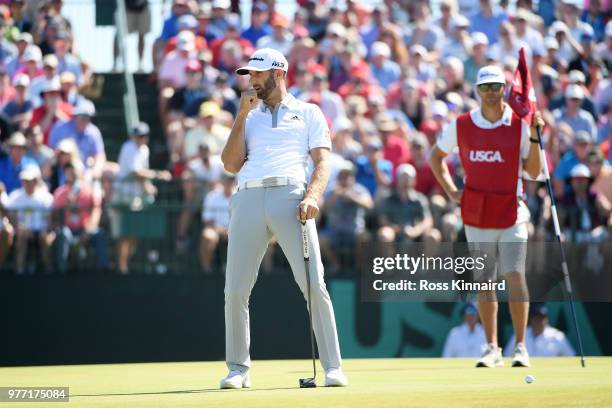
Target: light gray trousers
(257, 214)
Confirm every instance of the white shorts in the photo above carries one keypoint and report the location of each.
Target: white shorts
(508, 246)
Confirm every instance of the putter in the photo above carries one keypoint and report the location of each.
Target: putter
(308, 382)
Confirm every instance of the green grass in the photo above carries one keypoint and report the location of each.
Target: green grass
(386, 383)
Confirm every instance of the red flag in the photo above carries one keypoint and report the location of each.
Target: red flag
(522, 98)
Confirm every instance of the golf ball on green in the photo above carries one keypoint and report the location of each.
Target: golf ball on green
(529, 379)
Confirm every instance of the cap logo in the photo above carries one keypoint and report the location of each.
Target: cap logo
(278, 64)
(256, 59)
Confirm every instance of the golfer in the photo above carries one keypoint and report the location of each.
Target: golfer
(268, 148)
(495, 147)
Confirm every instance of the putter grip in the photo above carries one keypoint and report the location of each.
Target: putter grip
(305, 240)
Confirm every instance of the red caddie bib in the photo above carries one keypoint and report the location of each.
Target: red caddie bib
(490, 158)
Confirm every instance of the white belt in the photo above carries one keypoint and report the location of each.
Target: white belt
(270, 182)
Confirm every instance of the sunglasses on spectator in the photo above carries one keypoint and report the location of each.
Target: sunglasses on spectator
(490, 87)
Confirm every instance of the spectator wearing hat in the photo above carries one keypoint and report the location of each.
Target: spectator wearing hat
(583, 215)
(77, 212)
(133, 187)
(186, 101)
(12, 64)
(477, 58)
(86, 135)
(575, 77)
(426, 182)
(208, 130)
(215, 218)
(172, 72)
(18, 110)
(169, 28)
(572, 113)
(16, 160)
(70, 91)
(259, 23)
(280, 39)
(187, 23)
(53, 109)
(395, 148)
(422, 31)
(404, 214)
(29, 211)
(230, 33)
(595, 16)
(541, 339)
(66, 61)
(65, 152)
(524, 21)
(221, 14)
(383, 69)
(372, 170)
(457, 42)
(581, 146)
(344, 207)
(39, 83)
(488, 20)
(205, 29)
(467, 339)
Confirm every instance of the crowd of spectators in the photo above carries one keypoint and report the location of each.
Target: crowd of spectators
(388, 76)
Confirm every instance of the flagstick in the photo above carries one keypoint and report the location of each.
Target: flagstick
(566, 277)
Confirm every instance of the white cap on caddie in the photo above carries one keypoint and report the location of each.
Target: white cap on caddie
(490, 74)
(264, 60)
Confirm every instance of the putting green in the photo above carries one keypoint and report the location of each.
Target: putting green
(387, 383)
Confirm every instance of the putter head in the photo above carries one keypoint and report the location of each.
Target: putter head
(308, 383)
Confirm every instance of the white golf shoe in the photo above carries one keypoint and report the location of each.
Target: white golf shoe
(334, 377)
(520, 357)
(235, 380)
(491, 357)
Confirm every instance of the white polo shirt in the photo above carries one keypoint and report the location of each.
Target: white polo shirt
(278, 142)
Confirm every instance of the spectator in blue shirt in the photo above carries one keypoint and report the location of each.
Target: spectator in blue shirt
(488, 20)
(86, 135)
(11, 165)
(169, 29)
(374, 172)
(66, 61)
(583, 143)
(382, 67)
(259, 24)
(18, 110)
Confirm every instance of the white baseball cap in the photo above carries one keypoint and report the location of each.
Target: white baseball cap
(609, 29)
(480, 38)
(342, 123)
(263, 60)
(407, 169)
(336, 28)
(551, 43)
(580, 170)
(576, 76)
(574, 91)
(21, 80)
(380, 48)
(30, 173)
(490, 74)
(185, 41)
